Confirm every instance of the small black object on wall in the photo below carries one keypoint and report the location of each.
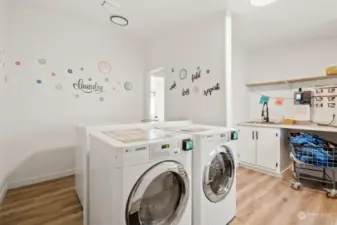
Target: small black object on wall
(210, 90)
(174, 86)
(186, 92)
(196, 76)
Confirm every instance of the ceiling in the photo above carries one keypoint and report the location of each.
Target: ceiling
(280, 21)
(286, 20)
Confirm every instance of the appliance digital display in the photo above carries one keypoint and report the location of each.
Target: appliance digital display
(165, 146)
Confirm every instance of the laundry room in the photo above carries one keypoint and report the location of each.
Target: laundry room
(116, 112)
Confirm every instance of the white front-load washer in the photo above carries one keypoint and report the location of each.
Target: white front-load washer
(82, 155)
(214, 172)
(140, 176)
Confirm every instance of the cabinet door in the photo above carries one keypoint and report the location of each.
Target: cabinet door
(267, 146)
(247, 145)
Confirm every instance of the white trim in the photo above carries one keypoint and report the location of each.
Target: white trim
(261, 170)
(3, 192)
(228, 69)
(39, 179)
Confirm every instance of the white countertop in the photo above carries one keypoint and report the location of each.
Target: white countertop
(300, 126)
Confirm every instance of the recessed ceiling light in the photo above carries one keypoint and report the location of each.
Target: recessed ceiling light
(260, 3)
(119, 20)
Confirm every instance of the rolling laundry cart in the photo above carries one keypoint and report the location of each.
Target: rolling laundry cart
(313, 153)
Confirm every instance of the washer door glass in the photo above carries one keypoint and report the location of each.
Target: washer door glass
(219, 175)
(160, 196)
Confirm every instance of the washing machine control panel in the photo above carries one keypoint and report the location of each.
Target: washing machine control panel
(169, 148)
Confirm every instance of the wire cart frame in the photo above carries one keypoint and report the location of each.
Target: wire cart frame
(317, 158)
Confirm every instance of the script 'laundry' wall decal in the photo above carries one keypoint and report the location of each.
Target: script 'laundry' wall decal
(196, 76)
(88, 88)
(174, 85)
(210, 90)
(186, 92)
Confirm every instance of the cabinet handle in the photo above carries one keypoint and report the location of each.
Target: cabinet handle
(253, 136)
(257, 135)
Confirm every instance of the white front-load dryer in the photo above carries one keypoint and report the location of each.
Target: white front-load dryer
(140, 176)
(214, 173)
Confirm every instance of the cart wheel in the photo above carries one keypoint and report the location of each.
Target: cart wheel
(296, 186)
(331, 195)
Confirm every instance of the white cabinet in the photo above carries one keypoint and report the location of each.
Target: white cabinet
(261, 148)
(267, 147)
(247, 145)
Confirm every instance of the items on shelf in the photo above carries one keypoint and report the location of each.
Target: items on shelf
(331, 71)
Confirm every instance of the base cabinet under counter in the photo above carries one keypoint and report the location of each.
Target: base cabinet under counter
(263, 149)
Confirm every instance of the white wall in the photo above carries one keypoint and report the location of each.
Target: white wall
(288, 61)
(199, 44)
(40, 133)
(3, 169)
(240, 93)
(291, 60)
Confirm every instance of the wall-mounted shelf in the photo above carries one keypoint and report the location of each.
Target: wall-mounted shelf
(291, 81)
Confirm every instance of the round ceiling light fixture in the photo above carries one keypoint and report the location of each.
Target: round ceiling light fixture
(261, 3)
(119, 20)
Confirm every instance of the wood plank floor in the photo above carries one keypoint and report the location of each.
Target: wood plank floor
(50, 203)
(262, 200)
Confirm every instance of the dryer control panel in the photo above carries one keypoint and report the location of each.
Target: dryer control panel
(169, 148)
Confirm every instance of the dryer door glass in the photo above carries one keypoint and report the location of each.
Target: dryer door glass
(160, 196)
(219, 175)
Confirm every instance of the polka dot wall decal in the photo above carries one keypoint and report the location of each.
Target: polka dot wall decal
(39, 81)
(128, 86)
(172, 70)
(104, 67)
(70, 71)
(89, 79)
(101, 99)
(77, 95)
(106, 79)
(114, 89)
(42, 61)
(208, 71)
(198, 68)
(53, 74)
(196, 89)
(59, 87)
(18, 63)
(183, 74)
(81, 68)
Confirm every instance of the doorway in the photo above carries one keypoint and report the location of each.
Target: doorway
(157, 98)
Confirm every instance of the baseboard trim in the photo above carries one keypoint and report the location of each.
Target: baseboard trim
(3, 191)
(39, 179)
(261, 170)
